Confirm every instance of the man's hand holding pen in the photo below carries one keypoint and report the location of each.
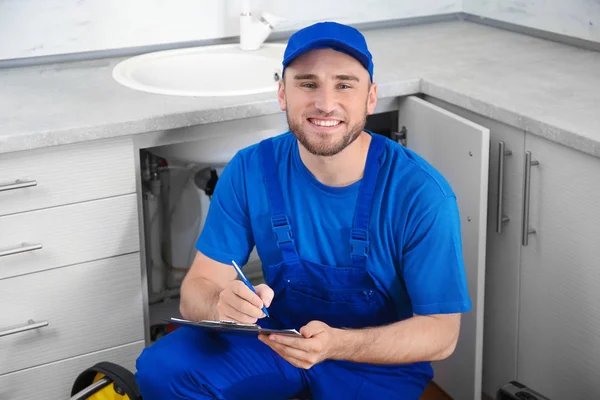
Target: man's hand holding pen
(240, 304)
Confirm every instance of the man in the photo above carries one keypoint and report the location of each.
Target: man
(360, 244)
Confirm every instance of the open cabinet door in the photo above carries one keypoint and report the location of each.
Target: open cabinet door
(459, 150)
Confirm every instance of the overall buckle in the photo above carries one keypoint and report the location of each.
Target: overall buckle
(281, 228)
(359, 240)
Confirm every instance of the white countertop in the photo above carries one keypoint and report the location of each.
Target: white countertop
(547, 88)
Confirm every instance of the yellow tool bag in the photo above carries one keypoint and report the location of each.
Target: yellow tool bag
(105, 381)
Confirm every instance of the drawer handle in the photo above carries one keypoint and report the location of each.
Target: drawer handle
(19, 184)
(23, 248)
(30, 325)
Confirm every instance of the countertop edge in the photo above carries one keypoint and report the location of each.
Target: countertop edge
(563, 136)
(37, 140)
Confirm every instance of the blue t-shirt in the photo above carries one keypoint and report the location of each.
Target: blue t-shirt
(415, 248)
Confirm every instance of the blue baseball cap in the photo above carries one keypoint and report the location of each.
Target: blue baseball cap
(329, 35)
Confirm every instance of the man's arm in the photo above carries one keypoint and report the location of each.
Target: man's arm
(201, 288)
(420, 338)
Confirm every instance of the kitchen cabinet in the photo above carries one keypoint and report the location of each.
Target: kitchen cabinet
(459, 150)
(543, 265)
(87, 307)
(59, 175)
(559, 319)
(54, 381)
(503, 250)
(71, 282)
(69, 234)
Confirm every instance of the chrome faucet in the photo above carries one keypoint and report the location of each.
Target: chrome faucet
(254, 33)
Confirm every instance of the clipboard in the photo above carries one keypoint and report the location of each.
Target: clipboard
(233, 327)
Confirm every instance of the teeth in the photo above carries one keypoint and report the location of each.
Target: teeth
(325, 122)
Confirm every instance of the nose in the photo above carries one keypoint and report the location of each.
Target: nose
(325, 100)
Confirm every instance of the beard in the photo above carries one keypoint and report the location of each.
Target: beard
(321, 144)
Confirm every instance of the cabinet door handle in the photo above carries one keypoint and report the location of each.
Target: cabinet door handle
(19, 184)
(23, 248)
(500, 217)
(30, 325)
(526, 196)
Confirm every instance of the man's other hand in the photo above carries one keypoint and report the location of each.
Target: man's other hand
(316, 345)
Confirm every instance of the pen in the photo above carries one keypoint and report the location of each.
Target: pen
(247, 283)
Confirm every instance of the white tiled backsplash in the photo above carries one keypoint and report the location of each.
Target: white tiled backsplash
(44, 27)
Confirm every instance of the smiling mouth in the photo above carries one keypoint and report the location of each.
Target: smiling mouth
(324, 123)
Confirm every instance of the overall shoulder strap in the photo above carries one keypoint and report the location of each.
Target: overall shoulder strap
(359, 235)
(280, 222)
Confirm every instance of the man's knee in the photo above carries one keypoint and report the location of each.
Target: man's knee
(154, 373)
(189, 363)
(165, 373)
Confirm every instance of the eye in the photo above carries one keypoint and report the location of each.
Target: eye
(308, 85)
(344, 86)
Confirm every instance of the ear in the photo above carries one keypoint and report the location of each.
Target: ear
(281, 95)
(372, 99)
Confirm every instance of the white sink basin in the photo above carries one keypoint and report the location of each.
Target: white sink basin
(223, 70)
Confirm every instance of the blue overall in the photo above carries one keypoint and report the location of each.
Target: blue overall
(192, 364)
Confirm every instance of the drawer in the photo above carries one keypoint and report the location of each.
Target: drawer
(88, 307)
(66, 174)
(54, 381)
(68, 235)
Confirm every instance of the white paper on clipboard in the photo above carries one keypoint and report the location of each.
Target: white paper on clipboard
(233, 327)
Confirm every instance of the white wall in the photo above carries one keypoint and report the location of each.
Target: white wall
(49, 27)
(576, 18)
